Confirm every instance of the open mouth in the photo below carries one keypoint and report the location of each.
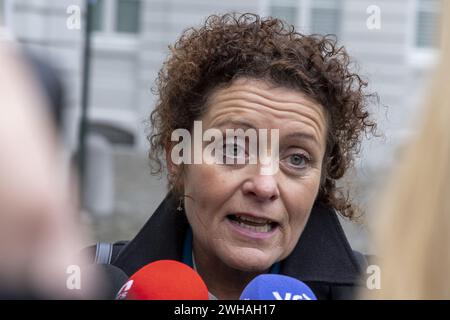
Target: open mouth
(252, 223)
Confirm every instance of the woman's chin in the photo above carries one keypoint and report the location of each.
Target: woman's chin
(251, 260)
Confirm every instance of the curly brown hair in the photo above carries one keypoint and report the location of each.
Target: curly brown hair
(230, 46)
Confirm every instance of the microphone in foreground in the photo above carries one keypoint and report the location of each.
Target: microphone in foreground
(164, 280)
(276, 287)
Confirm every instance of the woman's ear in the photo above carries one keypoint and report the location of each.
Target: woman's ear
(175, 171)
(172, 168)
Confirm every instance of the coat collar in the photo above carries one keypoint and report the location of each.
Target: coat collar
(322, 254)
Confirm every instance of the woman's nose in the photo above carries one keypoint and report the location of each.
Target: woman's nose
(262, 187)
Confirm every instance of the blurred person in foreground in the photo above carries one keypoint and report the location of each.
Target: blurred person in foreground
(39, 235)
(413, 230)
(230, 220)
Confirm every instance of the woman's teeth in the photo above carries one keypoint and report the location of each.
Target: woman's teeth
(253, 224)
(255, 220)
(264, 228)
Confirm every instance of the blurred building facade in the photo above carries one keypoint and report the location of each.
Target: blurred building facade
(392, 41)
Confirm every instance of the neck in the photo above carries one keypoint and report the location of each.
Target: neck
(223, 282)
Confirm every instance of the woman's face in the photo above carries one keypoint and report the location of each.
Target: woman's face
(241, 217)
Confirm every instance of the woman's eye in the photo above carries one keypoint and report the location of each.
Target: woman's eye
(233, 150)
(299, 161)
(234, 153)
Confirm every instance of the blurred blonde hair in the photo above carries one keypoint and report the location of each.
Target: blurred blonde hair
(413, 235)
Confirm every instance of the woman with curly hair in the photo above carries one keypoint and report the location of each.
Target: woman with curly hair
(229, 220)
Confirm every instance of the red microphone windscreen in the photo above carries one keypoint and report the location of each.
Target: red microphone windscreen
(164, 280)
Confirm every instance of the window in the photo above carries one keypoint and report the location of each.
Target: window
(127, 16)
(423, 33)
(286, 10)
(309, 16)
(2, 12)
(6, 19)
(96, 16)
(427, 23)
(116, 16)
(325, 16)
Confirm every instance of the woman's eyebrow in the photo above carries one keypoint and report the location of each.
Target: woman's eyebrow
(303, 136)
(235, 123)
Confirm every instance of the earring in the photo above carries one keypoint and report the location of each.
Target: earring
(180, 207)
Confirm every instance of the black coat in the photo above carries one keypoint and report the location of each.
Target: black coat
(322, 258)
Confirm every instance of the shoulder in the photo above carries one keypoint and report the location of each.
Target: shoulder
(103, 252)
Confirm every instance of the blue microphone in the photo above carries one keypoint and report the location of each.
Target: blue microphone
(276, 287)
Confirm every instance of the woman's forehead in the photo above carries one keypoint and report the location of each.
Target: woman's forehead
(262, 104)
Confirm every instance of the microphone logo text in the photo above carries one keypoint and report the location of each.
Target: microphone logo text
(290, 296)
